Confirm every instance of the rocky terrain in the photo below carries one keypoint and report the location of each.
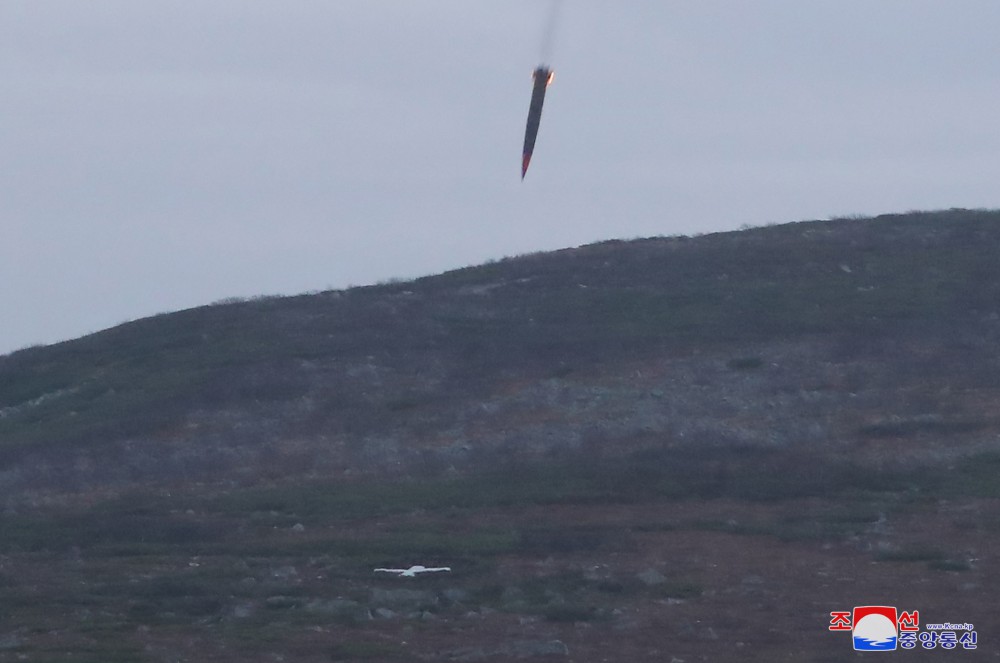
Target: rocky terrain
(670, 449)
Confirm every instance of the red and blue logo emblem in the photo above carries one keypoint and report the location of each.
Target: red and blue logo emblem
(883, 628)
(875, 628)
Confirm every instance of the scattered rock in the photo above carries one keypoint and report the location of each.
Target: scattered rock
(596, 573)
(383, 613)
(285, 572)
(298, 527)
(244, 609)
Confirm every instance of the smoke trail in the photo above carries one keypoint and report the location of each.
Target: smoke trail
(549, 31)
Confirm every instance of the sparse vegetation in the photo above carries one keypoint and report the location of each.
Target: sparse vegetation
(911, 555)
(949, 565)
(745, 363)
(367, 651)
(612, 439)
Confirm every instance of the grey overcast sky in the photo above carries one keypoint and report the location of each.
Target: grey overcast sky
(158, 155)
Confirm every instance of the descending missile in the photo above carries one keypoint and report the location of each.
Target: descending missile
(542, 78)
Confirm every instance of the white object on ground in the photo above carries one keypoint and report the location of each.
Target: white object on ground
(414, 570)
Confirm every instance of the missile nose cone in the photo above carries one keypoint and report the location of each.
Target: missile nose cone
(525, 160)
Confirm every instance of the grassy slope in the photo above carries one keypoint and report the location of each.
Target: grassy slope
(575, 307)
(143, 575)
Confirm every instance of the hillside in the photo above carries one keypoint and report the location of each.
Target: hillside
(680, 447)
